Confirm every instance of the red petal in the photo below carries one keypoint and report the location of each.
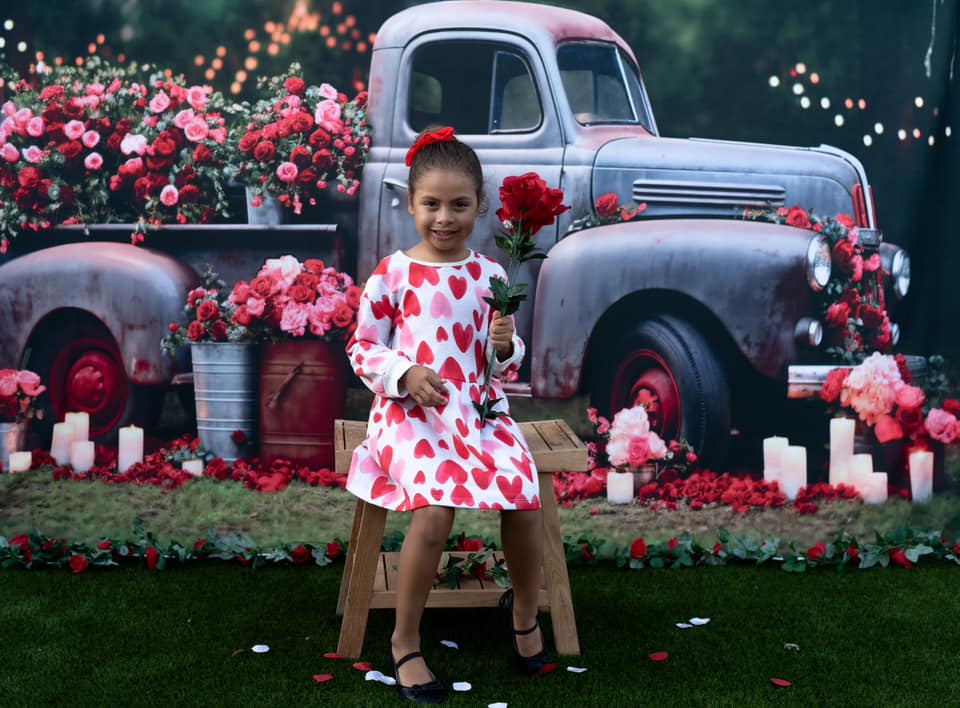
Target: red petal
(363, 666)
(332, 655)
(322, 678)
(659, 656)
(547, 668)
(782, 683)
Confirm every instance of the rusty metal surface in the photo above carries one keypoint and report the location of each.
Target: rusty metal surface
(750, 276)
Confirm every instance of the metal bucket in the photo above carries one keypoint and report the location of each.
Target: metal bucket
(12, 438)
(303, 390)
(225, 378)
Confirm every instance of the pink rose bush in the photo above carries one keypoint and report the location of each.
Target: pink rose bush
(98, 144)
(18, 391)
(299, 140)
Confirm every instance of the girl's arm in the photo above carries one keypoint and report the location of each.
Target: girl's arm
(509, 368)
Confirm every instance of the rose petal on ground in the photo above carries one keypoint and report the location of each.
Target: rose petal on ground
(791, 647)
(322, 678)
(259, 648)
(388, 681)
(699, 620)
(449, 643)
(332, 655)
(373, 675)
(782, 683)
(497, 705)
(575, 669)
(659, 656)
(684, 625)
(461, 686)
(363, 666)
(547, 669)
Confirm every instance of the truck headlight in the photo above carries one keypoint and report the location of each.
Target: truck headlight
(819, 263)
(900, 272)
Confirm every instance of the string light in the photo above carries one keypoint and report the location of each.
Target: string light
(878, 128)
(930, 141)
(902, 134)
(797, 89)
(825, 103)
(838, 120)
(947, 131)
(918, 101)
(774, 81)
(916, 133)
(805, 102)
(868, 140)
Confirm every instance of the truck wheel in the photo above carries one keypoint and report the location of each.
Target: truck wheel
(82, 368)
(667, 360)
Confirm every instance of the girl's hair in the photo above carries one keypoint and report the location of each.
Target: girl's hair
(446, 155)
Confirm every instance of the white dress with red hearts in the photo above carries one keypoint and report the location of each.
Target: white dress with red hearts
(433, 314)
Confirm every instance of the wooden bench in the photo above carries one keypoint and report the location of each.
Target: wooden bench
(369, 577)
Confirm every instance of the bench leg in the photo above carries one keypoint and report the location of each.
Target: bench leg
(555, 573)
(351, 554)
(359, 589)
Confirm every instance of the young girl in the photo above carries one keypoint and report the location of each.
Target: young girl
(423, 335)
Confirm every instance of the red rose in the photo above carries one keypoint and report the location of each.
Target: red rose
(817, 551)
(238, 437)
(300, 156)
(319, 139)
(218, 331)
(322, 160)
(153, 557)
(586, 553)
(673, 543)
(843, 254)
(307, 176)
(262, 286)
(956, 550)
(265, 151)
(208, 310)
(798, 218)
(190, 194)
(353, 299)
(952, 406)
(202, 155)
(70, 149)
(717, 547)
(334, 550)
(529, 203)
(837, 315)
(898, 557)
(301, 294)
(470, 545)
(834, 384)
(854, 554)
(52, 93)
(78, 563)
(872, 316)
(300, 555)
(29, 177)
(607, 205)
(242, 316)
(23, 543)
(196, 331)
(295, 85)
(343, 315)
(301, 122)
(249, 141)
(910, 420)
(887, 429)
(638, 549)
(105, 545)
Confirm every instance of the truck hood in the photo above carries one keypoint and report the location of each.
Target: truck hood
(711, 178)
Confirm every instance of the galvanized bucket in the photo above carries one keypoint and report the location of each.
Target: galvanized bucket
(12, 438)
(225, 378)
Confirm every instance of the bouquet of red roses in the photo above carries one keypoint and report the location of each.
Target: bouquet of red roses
(208, 316)
(18, 391)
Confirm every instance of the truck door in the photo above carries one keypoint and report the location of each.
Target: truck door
(491, 88)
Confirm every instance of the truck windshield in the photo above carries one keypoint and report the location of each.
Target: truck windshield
(602, 85)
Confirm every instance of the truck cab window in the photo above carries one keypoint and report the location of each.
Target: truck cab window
(601, 84)
(476, 87)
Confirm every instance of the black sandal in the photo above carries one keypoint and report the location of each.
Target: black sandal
(432, 692)
(540, 664)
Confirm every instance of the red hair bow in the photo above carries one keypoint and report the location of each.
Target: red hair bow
(443, 135)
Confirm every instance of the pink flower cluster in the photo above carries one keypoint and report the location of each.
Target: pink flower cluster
(290, 298)
(18, 391)
(631, 440)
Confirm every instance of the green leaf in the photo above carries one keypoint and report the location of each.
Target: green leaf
(794, 565)
(913, 554)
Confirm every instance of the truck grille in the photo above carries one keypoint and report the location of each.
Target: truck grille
(752, 196)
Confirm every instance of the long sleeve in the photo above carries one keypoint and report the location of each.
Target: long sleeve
(509, 370)
(370, 350)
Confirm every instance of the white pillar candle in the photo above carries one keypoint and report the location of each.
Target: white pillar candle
(20, 462)
(874, 488)
(860, 466)
(841, 449)
(194, 467)
(793, 470)
(619, 487)
(60, 447)
(772, 451)
(81, 456)
(130, 448)
(921, 475)
(81, 424)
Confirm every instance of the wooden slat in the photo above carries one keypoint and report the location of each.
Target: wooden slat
(535, 441)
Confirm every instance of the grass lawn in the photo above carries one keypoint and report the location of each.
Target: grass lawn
(182, 637)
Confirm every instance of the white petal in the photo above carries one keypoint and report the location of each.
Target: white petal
(461, 686)
(373, 675)
(699, 620)
(791, 647)
(575, 669)
(684, 625)
(388, 681)
(259, 648)
(497, 705)
(449, 643)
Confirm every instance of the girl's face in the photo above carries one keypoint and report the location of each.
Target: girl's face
(444, 208)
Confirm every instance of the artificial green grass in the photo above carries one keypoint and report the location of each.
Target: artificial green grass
(131, 637)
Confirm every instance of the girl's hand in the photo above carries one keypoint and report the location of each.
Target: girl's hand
(501, 335)
(424, 386)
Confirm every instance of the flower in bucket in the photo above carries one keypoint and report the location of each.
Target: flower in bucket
(18, 391)
(208, 316)
(290, 299)
(300, 139)
(527, 205)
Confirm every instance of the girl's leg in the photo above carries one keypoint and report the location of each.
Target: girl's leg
(419, 558)
(522, 535)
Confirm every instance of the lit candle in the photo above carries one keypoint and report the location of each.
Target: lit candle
(81, 424)
(860, 466)
(793, 470)
(20, 462)
(619, 487)
(841, 449)
(921, 475)
(194, 467)
(772, 451)
(129, 448)
(60, 447)
(81, 456)
(874, 488)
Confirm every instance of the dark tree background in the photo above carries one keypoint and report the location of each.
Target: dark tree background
(707, 66)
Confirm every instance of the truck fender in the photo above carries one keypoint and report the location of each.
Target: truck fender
(750, 277)
(133, 291)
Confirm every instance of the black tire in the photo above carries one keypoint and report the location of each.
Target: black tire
(668, 357)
